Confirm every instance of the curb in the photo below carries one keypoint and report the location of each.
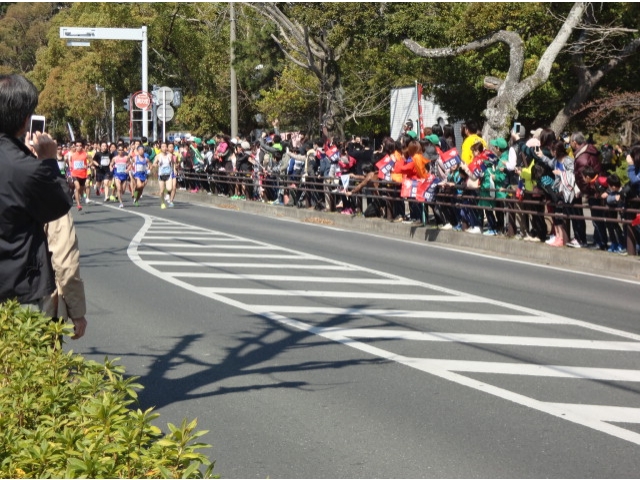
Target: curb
(583, 260)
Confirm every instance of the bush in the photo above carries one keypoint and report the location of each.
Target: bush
(62, 416)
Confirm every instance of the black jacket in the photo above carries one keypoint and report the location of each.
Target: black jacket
(32, 193)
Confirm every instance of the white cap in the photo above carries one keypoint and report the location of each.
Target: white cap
(245, 145)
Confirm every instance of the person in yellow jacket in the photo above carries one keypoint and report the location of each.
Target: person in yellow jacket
(470, 132)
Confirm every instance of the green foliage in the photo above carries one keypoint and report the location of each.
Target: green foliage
(23, 30)
(62, 416)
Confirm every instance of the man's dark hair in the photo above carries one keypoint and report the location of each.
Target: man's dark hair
(144, 139)
(365, 142)
(471, 126)
(437, 130)
(18, 101)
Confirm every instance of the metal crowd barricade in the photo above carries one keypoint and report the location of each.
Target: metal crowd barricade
(310, 191)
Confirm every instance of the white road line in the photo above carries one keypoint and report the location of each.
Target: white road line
(187, 245)
(231, 255)
(341, 294)
(487, 339)
(603, 413)
(283, 266)
(534, 370)
(381, 312)
(556, 410)
(209, 238)
(195, 234)
(286, 278)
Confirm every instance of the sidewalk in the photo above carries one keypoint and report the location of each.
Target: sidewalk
(584, 260)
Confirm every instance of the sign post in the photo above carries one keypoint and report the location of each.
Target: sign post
(82, 36)
(165, 111)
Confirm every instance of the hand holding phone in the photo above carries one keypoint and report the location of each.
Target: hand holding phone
(36, 124)
(43, 145)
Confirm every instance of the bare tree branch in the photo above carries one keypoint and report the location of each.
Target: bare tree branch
(503, 107)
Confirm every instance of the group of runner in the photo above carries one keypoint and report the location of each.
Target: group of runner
(112, 169)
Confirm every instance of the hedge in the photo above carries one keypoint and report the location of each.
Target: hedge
(62, 416)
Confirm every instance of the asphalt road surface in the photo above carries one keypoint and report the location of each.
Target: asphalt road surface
(312, 352)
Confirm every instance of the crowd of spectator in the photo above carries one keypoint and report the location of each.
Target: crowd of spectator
(533, 185)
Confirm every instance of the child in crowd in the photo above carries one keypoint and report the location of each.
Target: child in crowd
(614, 200)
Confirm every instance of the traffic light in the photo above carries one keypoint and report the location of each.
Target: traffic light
(126, 103)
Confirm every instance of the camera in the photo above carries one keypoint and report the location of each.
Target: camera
(37, 124)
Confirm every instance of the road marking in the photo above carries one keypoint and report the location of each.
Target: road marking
(288, 278)
(396, 313)
(284, 266)
(373, 333)
(603, 413)
(559, 410)
(187, 245)
(341, 294)
(532, 369)
(188, 237)
(216, 254)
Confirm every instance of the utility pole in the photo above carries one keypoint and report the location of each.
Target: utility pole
(234, 83)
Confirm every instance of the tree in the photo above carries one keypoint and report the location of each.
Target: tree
(318, 38)
(502, 108)
(600, 48)
(23, 30)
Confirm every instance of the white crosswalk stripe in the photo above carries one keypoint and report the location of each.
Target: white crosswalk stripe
(260, 269)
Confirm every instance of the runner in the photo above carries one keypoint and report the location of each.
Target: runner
(102, 165)
(79, 169)
(120, 165)
(164, 162)
(141, 166)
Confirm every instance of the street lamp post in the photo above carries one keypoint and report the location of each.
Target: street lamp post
(82, 37)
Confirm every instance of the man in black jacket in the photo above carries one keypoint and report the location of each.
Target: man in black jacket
(32, 193)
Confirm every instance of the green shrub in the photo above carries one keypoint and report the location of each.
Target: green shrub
(62, 416)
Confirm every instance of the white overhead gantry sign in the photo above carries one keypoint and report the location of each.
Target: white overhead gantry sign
(82, 37)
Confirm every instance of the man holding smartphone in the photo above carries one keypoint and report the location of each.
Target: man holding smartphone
(32, 193)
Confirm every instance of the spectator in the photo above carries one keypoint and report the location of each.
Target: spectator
(500, 148)
(586, 155)
(449, 135)
(562, 190)
(32, 193)
(68, 300)
(614, 200)
(471, 137)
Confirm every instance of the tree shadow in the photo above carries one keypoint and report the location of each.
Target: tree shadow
(247, 358)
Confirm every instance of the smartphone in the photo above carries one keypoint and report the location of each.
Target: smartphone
(516, 127)
(37, 125)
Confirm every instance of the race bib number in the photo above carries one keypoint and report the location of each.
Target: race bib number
(61, 166)
(165, 170)
(121, 167)
(79, 165)
(141, 167)
(104, 161)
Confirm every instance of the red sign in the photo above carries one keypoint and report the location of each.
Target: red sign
(142, 100)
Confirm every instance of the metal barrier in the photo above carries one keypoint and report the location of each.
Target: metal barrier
(310, 192)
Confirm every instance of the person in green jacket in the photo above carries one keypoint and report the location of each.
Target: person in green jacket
(501, 181)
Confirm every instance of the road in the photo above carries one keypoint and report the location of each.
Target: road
(312, 352)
